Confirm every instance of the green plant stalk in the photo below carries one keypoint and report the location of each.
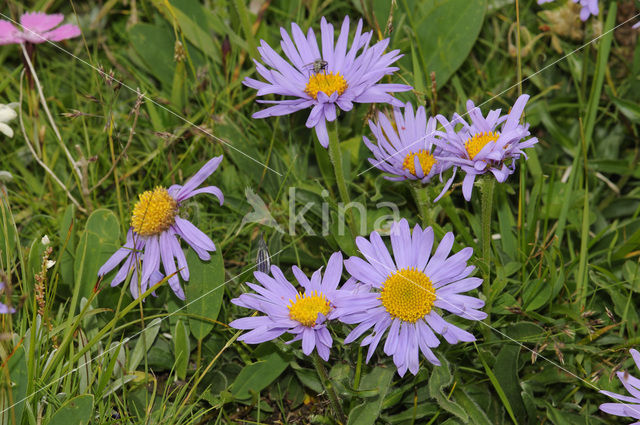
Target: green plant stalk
(423, 203)
(243, 14)
(328, 387)
(358, 372)
(335, 154)
(487, 189)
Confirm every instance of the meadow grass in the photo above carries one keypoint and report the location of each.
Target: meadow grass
(153, 89)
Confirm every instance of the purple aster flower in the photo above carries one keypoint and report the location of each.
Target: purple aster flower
(322, 81)
(152, 237)
(404, 292)
(636, 25)
(303, 314)
(406, 151)
(481, 146)
(37, 27)
(630, 406)
(589, 7)
(5, 309)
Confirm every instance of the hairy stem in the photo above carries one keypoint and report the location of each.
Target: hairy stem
(336, 159)
(331, 391)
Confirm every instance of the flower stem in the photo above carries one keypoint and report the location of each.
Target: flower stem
(336, 160)
(488, 186)
(423, 203)
(328, 387)
(356, 378)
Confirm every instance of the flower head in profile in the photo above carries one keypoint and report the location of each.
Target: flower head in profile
(488, 144)
(37, 27)
(302, 312)
(630, 405)
(405, 293)
(152, 238)
(589, 7)
(335, 77)
(5, 309)
(7, 113)
(406, 150)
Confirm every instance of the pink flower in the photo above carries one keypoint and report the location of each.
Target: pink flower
(37, 27)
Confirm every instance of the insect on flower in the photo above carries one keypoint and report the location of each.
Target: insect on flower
(317, 65)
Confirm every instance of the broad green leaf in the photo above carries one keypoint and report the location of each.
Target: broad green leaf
(257, 376)
(76, 411)
(204, 292)
(100, 239)
(446, 30)
(476, 414)
(440, 380)
(536, 293)
(144, 343)
(506, 372)
(159, 59)
(12, 396)
(379, 380)
(191, 18)
(181, 349)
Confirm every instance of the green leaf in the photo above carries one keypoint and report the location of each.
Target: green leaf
(204, 292)
(379, 380)
(76, 411)
(98, 242)
(446, 30)
(497, 386)
(257, 376)
(67, 234)
(506, 372)
(441, 378)
(12, 396)
(192, 20)
(8, 236)
(145, 341)
(159, 59)
(181, 349)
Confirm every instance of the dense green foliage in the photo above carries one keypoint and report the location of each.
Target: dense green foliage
(136, 110)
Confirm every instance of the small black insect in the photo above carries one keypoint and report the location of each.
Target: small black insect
(262, 259)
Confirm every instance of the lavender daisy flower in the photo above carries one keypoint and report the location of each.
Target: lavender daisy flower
(408, 152)
(38, 27)
(152, 237)
(5, 309)
(303, 314)
(630, 406)
(481, 146)
(589, 7)
(404, 293)
(322, 81)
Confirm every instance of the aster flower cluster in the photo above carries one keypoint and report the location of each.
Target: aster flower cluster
(416, 150)
(397, 294)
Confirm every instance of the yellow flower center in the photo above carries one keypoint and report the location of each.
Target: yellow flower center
(408, 295)
(426, 160)
(326, 83)
(305, 308)
(478, 141)
(154, 212)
